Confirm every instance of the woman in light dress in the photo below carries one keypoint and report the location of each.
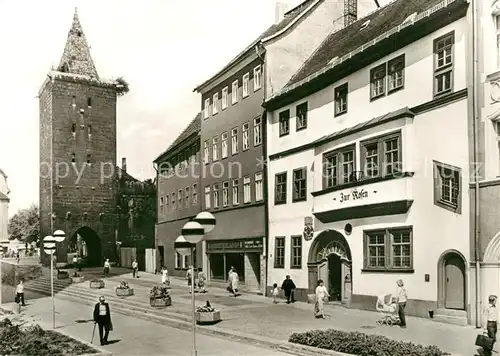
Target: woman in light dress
(164, 276)
(107, 267)
(401, 300)
(321, 295)
(234, 281)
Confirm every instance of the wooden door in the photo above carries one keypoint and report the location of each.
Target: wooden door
(347, 283)
(323, 273)
(454, 271)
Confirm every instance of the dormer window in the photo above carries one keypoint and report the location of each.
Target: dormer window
(364, 25)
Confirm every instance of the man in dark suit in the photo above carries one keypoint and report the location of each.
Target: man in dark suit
(102, 317)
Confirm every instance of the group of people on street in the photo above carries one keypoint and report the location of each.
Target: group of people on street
(199, 279)
(288, 287)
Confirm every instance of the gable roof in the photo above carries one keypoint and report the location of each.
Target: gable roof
(4, 197)
(194, 127)
(351, 37)
(274, 29)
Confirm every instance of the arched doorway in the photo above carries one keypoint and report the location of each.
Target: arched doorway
(452, 284)
(330, 260)
(87, 244)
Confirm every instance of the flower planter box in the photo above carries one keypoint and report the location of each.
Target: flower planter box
(124, 292)
(97, 284)
(62, 275)
(161, 302)
(207, 317)
(77, 279)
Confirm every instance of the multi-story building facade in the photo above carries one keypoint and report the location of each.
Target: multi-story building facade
(365, 188)
(78, 152)
(178, 196)
(233, 132)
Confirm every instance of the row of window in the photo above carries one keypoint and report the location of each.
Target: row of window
(82, 128)
(384, 249)
(257, 84)
(179, 162)
(385, 79)
(235, 146)
(89, 158)
(231, 193)
(183, 199)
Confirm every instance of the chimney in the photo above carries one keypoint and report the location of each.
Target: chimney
(124, 164)
(280, 11)
(350, 12)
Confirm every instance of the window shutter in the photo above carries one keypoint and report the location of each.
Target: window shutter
(304, 174)
(365, 250)
(388, 249)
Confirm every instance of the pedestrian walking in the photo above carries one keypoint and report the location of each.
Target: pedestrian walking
(491, 312)
(202, 277)
(188, 277)
(164, 276)
(275, 293)
(18, 258)
(107, 267)
(229, 274)
(234, 282)
(401, 300)
(102, 317)
(135, 269)
(289, 288)
(321, 295)
(19, 299)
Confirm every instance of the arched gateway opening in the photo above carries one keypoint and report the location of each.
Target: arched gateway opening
(452, 284)
(87, 244)
(330, 260)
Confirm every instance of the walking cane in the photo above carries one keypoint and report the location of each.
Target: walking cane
(93, 333)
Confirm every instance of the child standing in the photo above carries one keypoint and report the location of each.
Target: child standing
(491, 321)
(275, 293)
(321, 295)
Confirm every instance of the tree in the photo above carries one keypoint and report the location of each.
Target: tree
(25, 225)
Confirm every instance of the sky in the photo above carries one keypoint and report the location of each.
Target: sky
(163, 48)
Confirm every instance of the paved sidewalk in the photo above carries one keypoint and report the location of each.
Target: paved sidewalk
(133, 336)
(257, 315)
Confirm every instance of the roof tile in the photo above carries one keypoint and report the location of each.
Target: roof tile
(349, 38)
(193, 127)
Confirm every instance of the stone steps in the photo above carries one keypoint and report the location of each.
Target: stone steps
(451, 316)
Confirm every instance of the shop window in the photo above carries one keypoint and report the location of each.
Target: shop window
(447, 183)
(279, 252)
(217, 272)
(296, 252)
(280, 188)
(178, 260)
(299, 184)
(388, 249)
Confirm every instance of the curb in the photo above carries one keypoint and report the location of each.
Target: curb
(101, 352)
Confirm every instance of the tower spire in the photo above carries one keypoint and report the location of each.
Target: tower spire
(76, 58)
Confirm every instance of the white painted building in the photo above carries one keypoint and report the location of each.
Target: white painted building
(369, 159)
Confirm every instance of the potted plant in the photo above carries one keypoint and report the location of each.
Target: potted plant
(123, 290)
(207, 314)
(76, 278)
(159, 297)
(62, 274)
(96, 284)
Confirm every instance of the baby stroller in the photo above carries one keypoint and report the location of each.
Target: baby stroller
(388, 309)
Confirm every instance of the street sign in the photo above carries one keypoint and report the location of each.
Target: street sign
(59, 235)
(49, 245)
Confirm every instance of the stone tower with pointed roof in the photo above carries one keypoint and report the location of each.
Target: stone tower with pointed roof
(78, 153)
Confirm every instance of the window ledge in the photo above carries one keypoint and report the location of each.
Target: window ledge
(279, 267)
(448, 206)
(298, 200)
(295, 267)
(369, 270)
(380, 96)
(280, 202)
(300, 128)
(337, 114)
(363, 182)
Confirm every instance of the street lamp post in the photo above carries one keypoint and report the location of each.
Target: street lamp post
(192, 233)
(49, 246)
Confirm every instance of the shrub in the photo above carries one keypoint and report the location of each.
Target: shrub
(361, 344)
(34, 341)
(123, 285)
(158, 292)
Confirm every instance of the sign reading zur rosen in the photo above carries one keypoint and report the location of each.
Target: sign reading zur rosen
(353, 195)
